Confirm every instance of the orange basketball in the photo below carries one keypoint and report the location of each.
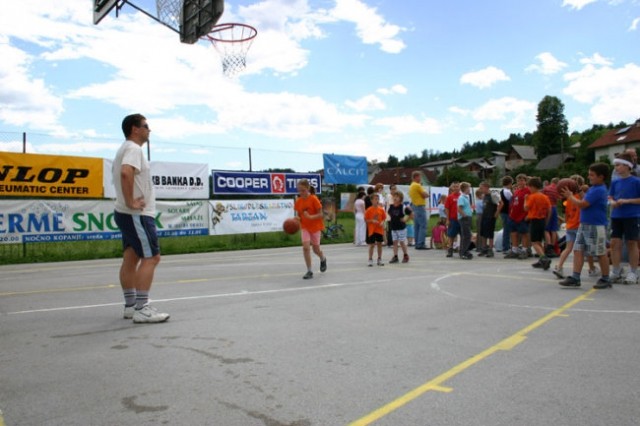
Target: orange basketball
(291, 226)
(567, 183)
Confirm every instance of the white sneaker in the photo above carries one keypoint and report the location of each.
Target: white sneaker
(128, 312)
(149, 315)
(595, 272)
(631, 278)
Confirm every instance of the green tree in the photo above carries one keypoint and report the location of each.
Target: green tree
(551, 135)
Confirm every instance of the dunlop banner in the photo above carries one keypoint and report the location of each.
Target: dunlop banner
(35, 175)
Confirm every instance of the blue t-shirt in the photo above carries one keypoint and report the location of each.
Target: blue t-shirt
(465, 203)
(625, 188)
(596, 213)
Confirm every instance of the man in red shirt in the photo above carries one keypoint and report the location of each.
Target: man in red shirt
(517, 224)
(451, 207)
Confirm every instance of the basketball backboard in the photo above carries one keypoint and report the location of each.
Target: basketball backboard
(192, 19)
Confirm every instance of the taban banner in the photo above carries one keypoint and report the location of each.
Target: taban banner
(248, 216)
(345, 169)
(58, 176)
(261, 183)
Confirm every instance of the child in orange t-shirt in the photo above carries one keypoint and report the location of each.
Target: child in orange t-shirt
(309, 212)
(375, 216)
(572, 222)
(538, 208)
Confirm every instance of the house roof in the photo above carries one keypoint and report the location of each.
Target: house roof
(554, 161)
(400, 175)
(440, 162)
(525, 152)
(622, 136)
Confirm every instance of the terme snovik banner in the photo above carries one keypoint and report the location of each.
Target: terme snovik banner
(345, 169)
(261, 183)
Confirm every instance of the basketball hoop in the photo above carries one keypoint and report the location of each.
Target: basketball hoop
(169, 12)
(232, 41)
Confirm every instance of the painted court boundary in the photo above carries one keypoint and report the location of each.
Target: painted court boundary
(436, 384)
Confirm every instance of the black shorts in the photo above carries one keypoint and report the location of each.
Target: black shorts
(536, 230)
(139, 233)
(374, 238)
(626, 227)
(487, 227)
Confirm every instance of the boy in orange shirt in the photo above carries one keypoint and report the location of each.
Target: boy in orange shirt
(572, 222)
(309, 212)
(375, 216)
(538, 208)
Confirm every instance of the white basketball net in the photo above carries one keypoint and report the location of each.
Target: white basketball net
(169, 12)
(232, 41)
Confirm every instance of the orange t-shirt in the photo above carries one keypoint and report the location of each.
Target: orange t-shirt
(572, 213)
(377, 213)
(538, 206)
(313, 206)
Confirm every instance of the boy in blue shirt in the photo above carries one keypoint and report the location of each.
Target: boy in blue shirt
(591, 239)
(624, 198)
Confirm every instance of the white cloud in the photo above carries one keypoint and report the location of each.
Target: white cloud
(484, 78)
(395, 89)
(25, 99)
(596, 59)
(409, 124)
(577, 4)
(548, 64)
(613, 93)
(366, 103)
(634, 24)
(460, 111)
(370, 26)
(516, 113)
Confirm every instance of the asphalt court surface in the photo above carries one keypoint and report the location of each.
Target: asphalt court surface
(436, 341)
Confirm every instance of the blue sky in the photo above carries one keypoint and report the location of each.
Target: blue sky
(352, 77)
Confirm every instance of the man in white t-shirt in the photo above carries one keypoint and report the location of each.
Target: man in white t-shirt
(135, 211)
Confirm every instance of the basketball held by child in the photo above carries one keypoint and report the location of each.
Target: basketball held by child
(291, 226)
(567, 183)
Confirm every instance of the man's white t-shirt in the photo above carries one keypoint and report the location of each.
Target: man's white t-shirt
(130, 153)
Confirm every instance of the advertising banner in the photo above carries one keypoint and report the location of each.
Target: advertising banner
(261, 183)
(248, 216)
(345, 169)
(173, 181)
(35, 175)
(27, 221)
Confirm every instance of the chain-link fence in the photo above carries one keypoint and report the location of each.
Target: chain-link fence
(217, 157)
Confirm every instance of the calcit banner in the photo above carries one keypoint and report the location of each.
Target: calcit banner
(345, 169)
(37, 221)
(248, 216)
(34, 175)
(177, 181)
(261, 183)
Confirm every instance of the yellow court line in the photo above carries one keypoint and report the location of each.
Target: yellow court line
(436, 384)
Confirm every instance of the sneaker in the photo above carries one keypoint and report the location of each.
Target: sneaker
(370, 262)
(405, 258)
(570, 282)
(616, 278)
(323, 265)
(602, 283)
(467, 256)
(546, 263)
(489, 253)
(558, 272)
(129, 311)
(308, 275)
(538, 264)
(482, 253)
(529, 252)
(380, 263)
(149, 315)
(631, 278)
(511, 255)
(450, 253)
(595, 272)
(523, 255)
(394, 259)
